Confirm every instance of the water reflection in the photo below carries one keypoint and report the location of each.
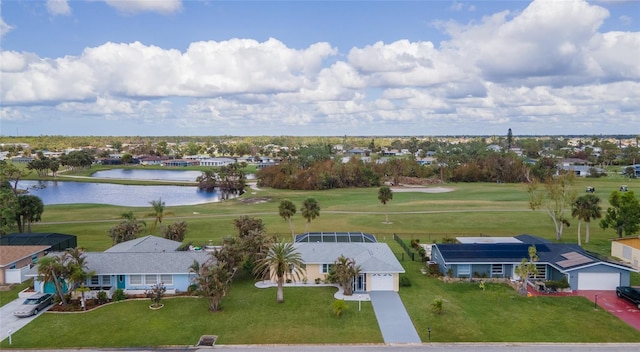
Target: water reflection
(63, 192)
(164, 175)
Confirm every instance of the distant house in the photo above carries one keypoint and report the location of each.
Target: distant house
(181, 162)
(135, 266)
(15, 262)
(152, 160)
(426, 161)
(22, 159)
(635, 167)
(498, 257)
(380, 269)
(216, 162)
(628, 250)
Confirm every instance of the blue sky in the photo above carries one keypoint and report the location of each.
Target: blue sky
(135, 67)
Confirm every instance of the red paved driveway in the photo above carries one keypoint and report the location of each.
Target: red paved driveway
(619, 307)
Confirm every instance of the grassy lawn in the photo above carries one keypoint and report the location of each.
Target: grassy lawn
(12, 293)
(499, 314)
(251, 315)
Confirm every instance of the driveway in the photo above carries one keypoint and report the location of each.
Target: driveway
(393, 319)
(9, 322)
(619, 307)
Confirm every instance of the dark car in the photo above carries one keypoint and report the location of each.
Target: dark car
(34, 304)
(630, 293)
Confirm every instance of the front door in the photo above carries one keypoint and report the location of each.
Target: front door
(360, 283)
(121, 281)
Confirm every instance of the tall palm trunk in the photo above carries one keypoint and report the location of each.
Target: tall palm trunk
(293, 235)
(280, 293)
(56, 283)
(386, 213)
(586, 240)
(579, 240)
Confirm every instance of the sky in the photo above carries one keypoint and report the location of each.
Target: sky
(319, 68)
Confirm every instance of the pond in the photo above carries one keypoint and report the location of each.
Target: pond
(164, 175)
(64, 192)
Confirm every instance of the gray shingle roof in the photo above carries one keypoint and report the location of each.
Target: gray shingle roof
(143, 263)
(372, 257)
(146, 244)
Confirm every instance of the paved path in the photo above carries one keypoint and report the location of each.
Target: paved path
(10, 323)
(393, 319)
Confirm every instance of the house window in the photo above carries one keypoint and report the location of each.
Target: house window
(12, 266)
(326, 268)
(464, 269)
(542, 272)
(497, 269)
(95, 280)
(34, 258)
(135, 279)
(167, 280)
(106, 280)
(151, 279)
(626, 252)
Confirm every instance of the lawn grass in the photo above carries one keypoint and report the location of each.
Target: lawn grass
(500, 314)
(12, 293)
(251, 315)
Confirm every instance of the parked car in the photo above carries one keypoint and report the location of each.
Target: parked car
(33, 304)
(630, 293)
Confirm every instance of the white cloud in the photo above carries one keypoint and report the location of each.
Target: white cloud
(548, 65)
(137, 6)
(4, 27)
(58, 7)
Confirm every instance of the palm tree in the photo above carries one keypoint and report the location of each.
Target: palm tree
(281, 259)
(343, 273)
(75, 264)
(586, 208)
(50, 269)
(287, 210)
(385, 195)
(158, 212)
(127, 230)
(310, 210)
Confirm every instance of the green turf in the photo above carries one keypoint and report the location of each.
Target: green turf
(251, 315)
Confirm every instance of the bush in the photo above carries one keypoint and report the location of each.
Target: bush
(102, 297)
(437, 306)
(404, 281)
(415, 243)
(119, 295)
(434, 270)
(339, 306)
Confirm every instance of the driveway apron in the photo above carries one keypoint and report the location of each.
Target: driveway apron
(393, 319)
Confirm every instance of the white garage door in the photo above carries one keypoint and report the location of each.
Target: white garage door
(381, 282)
(598, 281)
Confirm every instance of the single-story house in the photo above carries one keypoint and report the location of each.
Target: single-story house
(135, 266)
(217, 162)
(380, 269)
(15, 262)
(497, 257)
(628, 250)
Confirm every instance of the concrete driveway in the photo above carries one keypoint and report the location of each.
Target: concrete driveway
(10, 323)
(393, 319)
(619, 307)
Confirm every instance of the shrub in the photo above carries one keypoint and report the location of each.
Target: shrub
(119, 295)
(318, 281)
(434, 270)
(415, 243)
(156, 293)
(437, 306)
(339, 306)
(102, 297)
(192, 289)
(404, 281)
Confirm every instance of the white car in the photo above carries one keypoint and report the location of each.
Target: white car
(34, 304)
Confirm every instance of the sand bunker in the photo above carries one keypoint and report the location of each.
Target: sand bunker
(422, 189)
